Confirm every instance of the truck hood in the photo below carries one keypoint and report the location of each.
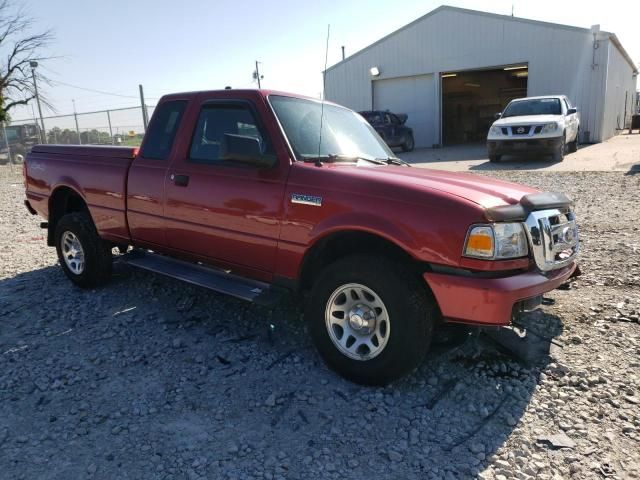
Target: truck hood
(527, 119)
(481, 190)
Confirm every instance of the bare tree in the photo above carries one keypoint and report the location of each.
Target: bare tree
(19, 46)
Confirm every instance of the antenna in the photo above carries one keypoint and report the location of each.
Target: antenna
(324, 82)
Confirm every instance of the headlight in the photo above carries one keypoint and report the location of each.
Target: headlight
(497, 241)
(550, 127)
(496, 131)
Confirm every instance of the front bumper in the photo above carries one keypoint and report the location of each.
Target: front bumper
(524, 146)
(491, 301)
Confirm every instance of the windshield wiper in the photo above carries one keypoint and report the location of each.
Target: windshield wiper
(394, 161)
(336, 158)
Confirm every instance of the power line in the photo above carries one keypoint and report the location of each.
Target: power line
(92, 90)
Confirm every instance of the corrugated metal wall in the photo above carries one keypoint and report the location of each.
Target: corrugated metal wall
(561, 60)
(620, 93)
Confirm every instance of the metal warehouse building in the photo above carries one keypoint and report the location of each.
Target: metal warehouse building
(453, 69)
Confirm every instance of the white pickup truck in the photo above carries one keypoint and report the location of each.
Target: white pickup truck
(543, 125)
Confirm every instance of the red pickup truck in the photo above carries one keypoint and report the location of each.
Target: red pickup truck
(253, 192)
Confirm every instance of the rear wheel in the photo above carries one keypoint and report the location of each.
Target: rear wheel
(409, 144)
(370, 319)
(494, 158)
(558, 155)
(83, 255)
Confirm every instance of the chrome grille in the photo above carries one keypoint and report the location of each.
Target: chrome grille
(553, 237)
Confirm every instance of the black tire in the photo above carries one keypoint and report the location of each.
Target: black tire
(494, 158)
(409, 144)
(558, 155)
(97, 253)
(411, 314)
(573, 146)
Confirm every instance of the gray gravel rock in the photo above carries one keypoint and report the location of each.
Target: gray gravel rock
(151, 378)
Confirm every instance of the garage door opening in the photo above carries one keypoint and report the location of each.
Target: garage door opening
(412, 96)
(470, 100)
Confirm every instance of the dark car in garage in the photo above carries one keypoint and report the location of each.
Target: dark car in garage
(391, 127)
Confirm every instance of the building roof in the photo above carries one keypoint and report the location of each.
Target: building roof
(609, 35)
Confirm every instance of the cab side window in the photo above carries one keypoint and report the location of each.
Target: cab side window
(214, 122)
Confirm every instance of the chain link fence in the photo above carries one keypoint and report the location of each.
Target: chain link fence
(118, 126)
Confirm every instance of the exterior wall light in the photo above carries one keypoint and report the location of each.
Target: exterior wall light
(374, 71)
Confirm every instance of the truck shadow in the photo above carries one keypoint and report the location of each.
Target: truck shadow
(198, 372)
(634, 170)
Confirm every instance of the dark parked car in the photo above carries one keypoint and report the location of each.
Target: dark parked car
(18, 142)
(391, 127)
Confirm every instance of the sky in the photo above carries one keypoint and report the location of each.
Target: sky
(170, 46)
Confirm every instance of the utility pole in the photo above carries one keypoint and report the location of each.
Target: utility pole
(33, 65)
(6, 141)
(257, 76)
(145, 118)
(343, 52)
(110, 129)
(75, 115)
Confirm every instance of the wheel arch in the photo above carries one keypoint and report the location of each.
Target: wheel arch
(340, 243)
(64, 199)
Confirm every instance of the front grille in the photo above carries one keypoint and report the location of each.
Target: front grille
(538, 129)
(505, 131)
(520, 130)
(553, 236)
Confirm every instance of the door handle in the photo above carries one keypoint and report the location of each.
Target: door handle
(180, 180)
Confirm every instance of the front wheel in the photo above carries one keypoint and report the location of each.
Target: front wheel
(370, 319)
(558, 155)
(409, 144)
(573, 146)
(84, 256)
(494, 158)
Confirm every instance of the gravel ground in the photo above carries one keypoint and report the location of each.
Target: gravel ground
(151, 378)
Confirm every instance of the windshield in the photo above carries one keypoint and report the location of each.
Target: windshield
(538, 106)
(372, 117)
(344, 132)
(12, 133)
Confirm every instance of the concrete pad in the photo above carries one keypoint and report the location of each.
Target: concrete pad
(619, 153)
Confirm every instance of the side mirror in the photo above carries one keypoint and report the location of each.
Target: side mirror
(497, 115)
(571, 111)
(243, 149)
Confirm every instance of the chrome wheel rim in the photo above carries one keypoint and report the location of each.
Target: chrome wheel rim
(357, 321)
(72, 252)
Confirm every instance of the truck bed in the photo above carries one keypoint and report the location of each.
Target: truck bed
(97, 173)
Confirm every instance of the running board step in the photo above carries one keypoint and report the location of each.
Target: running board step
(209, 277)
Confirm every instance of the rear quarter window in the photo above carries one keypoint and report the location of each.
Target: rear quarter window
(162, 130)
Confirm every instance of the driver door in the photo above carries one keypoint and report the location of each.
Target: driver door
(221, 211)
